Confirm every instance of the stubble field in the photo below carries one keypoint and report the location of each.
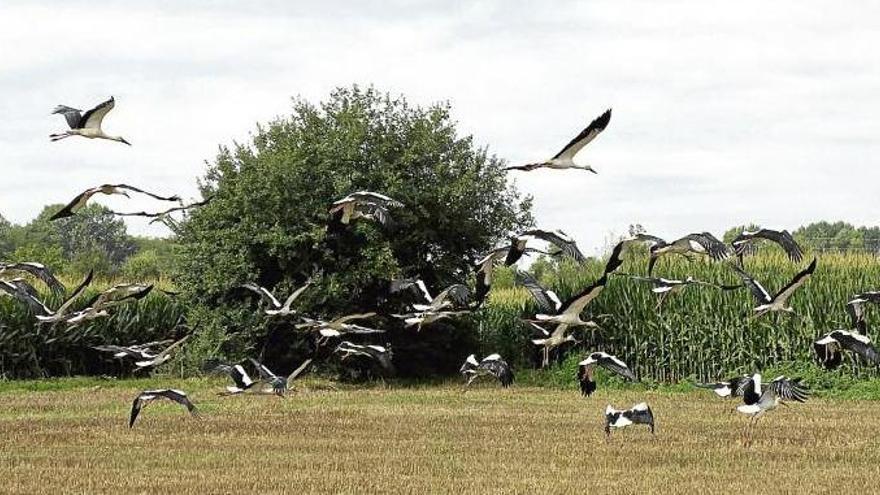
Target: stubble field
(437, 439)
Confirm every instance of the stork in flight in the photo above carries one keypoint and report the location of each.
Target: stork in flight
(856, 308)
(828, 348)
(703, 243)
(381, 356)
(87, 125)
(607, 361)
(639, 414)
(37, 270)
(148, 396)
(743, 244)
(779, 301)
(489, 365)
(364, 204)
(279, 384)
(278, 309)
(82, 198)
(565, 158)
(758, 399)
(560, 239)
(665, 287)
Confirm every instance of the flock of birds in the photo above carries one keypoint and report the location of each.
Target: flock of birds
(555, 322)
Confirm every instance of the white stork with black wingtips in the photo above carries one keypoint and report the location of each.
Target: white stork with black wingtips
(240, 378)
(779, 301)
(87, 125)
(607, 361)
(382, 356)
(364, 204)
(560, 239)
(82, 198)
(768, 398)
(492, 365)
(703, 243)
(278, 308)
(565, 158)
(24, 292)
(61, 313)
(569, 312)
(279, 384)
(639, 414)
(856, 308)
(37, 270)
(828, 348)
(665, 287)
(744, 243)
(148, 396)
(162, 357)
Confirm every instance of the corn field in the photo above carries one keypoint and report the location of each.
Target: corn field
(701, 331)
(28, 349)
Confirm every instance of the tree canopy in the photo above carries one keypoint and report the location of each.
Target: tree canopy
(267, 221)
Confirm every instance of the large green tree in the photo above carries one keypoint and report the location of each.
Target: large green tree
(267, 220)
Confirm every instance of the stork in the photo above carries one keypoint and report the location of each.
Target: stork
(492, 365)
(152, 360)
(24, 292)
(639, 414)
(703, 243)
(381, 356)
(856, 308)
(419, 319)
(560, 239)
(607, 361)
(565, 158)
(278, 309)
(757, 400)
(61, 313)
(828, 348)
(665, 287)
(37, 270)
(82, 198)
(148, 396)
(137, 351)
(87, 125)
(364, 204)
(778, 302)
(279, 384)
(744, 243)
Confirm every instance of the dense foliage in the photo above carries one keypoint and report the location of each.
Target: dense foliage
(267, 221)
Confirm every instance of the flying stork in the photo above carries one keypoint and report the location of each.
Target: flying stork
(565, 158)
(37, 270)
(240, 378)
(828, 348)
(381, 356)
(607, 361)
(61, 313)
(778, 302)
(148, 396)
(665, 287)
(152, 360)
(279, 384)
(489, 365)
(364, 204)
(856, 308)
(419, 319)
(87, 125)
(639, 414)
(137, 351)
(703, 243)
(757, 400)
(560, 239)
(743, 244)
(278, 309)
(82, 198)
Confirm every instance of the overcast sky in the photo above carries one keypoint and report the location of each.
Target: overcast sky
(724, 112)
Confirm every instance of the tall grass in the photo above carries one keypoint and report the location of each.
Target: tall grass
(700, 332)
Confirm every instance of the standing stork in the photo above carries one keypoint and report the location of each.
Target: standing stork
(489, 365)
(87, 125)
(82, 198)
(744, 243)
(778, 302)
(565, 158)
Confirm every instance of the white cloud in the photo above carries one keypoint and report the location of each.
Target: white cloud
(723, 113)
